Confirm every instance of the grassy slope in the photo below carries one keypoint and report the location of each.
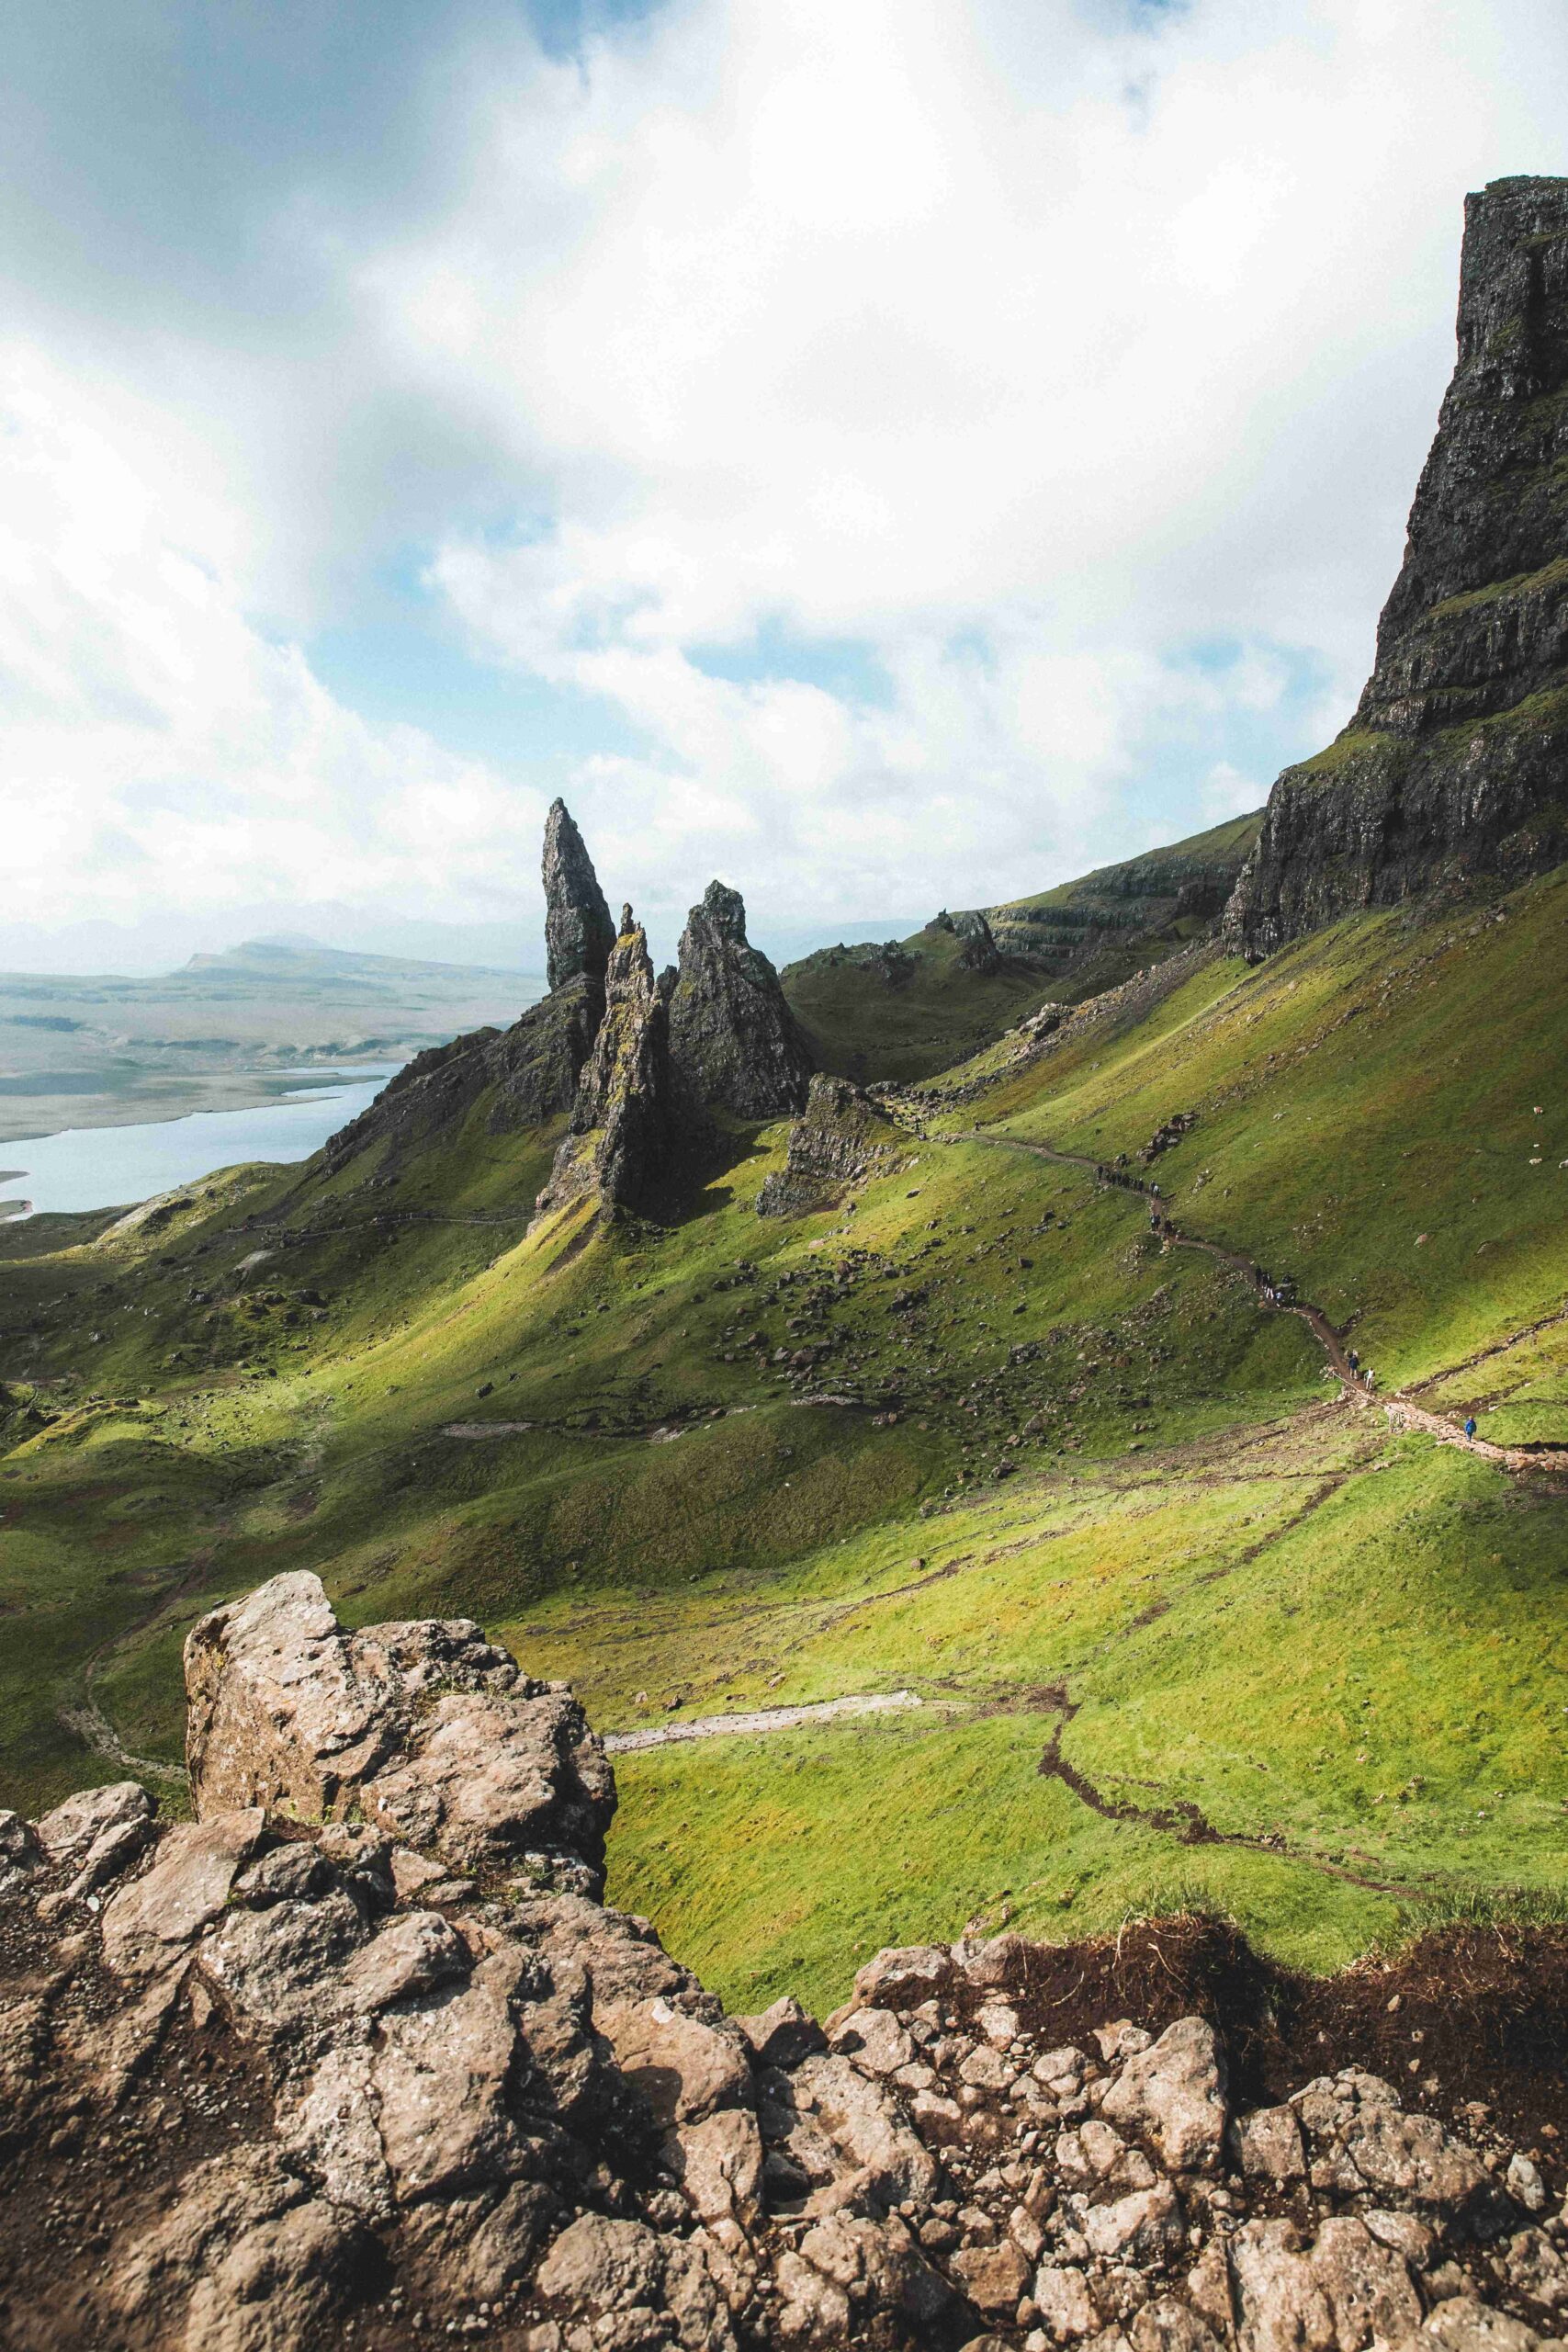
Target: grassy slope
(864, 1028)
(1314, 1633)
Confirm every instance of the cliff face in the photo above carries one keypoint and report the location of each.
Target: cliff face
(359, 2057)
(733, 1040)
(1456, 761)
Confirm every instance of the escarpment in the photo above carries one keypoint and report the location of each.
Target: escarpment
(1454, 763)
(359, 2055)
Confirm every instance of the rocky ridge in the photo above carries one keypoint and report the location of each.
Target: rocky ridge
(1453, 764)
(840, 1139)
(360, 2055)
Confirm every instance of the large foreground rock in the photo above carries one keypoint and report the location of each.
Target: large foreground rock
(357, 2057)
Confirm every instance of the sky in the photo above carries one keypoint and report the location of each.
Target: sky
(885, 453)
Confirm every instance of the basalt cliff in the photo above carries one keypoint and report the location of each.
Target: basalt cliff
(360, 2055)
(1456, 761)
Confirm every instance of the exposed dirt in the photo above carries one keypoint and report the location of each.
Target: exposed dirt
(1481, 2014)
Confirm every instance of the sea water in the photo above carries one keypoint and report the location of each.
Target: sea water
(100, 1168)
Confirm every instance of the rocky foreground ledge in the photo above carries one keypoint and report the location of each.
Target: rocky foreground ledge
(358, 2057)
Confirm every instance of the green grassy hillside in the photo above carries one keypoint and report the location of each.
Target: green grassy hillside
(1088, 1502)
(913, 1006)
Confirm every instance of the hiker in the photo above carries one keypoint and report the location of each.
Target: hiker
(1470, 1426)
(1354, 1361)
(1366, 1376)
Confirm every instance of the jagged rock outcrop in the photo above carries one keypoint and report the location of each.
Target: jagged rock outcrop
(978, 952)
(529, 1072)
(1454, 763)
(838, 1140)
(734, 1043)
(618, 1137)
(579, 933)
(335, 2063)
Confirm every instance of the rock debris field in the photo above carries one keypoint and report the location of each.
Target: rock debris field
(360, 2055)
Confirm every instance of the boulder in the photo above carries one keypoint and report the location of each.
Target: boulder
(426, 1732)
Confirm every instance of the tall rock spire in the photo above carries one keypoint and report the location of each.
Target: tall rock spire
(733, 1040)
(579, 933)
(1453, 763)
(616, 1140)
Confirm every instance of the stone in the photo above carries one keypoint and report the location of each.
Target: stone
(718, 2164)
(1173, 2093)
(1167, 2325)
(428, 1731)
(579, 933)
(908, 1973)
(1280, 2303)
(862, 2121)
(874, 2040)
(1537, 2270)
(1522, 2178)
(684, 2067)
(1362, 2139)
(1463, 2323)
(1144, 2227)
(784, 2034)
(1366, 2285)
(69, 1832)
(1269, 2145)
(840, 1140)
(734, 1044)
(20, 1852)
(1096, 2156)
(154, 1921)
(1063, 2300)
(993, 2277)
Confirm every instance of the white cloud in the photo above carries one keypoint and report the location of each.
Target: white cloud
(1061, 380)
(885, 324)
(157, 748)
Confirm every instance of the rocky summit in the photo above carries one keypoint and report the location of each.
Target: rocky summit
(359, 2055)
(734, 1042)
(1453, 763)
(579, 933)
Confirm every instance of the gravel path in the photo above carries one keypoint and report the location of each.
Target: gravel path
(764, 1719)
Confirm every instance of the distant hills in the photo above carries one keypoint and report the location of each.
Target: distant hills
(905, 1008)
(107, 1050)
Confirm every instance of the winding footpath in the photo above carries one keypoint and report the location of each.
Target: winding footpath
(1401, 1412)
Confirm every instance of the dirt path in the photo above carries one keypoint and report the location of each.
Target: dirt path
(1182, 1819)
(93, 1728)
(1399, 1411)
(764, 1719)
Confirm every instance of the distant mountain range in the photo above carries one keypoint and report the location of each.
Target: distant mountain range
(219, 1033)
